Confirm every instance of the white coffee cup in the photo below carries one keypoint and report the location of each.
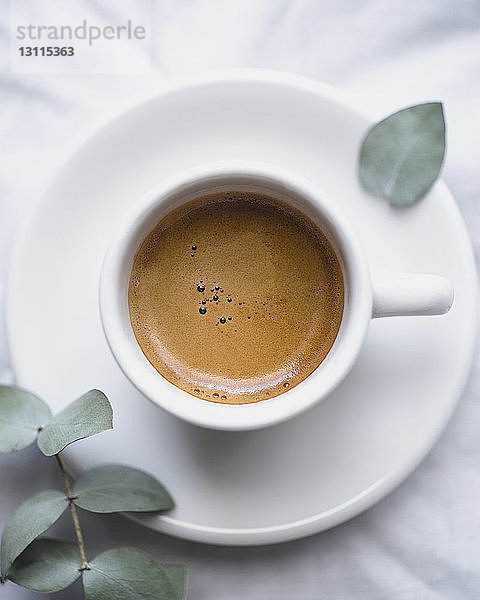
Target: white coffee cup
(369, 293)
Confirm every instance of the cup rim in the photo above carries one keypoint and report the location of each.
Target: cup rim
(212, 415)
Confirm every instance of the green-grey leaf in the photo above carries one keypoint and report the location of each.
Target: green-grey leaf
(177, 576)
(115, 488)
(86, 416)
(130, 574)
(31, 518)
(47, 566)
(21, 415)
(401, 156)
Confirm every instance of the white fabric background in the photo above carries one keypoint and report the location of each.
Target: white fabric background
(421, 542)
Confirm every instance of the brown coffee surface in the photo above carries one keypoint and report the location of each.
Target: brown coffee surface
(236, 297)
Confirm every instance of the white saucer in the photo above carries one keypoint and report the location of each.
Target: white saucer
(333, 461)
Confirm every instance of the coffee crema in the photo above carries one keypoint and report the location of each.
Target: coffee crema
(236, 297)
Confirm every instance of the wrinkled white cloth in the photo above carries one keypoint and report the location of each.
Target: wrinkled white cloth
(421, 542)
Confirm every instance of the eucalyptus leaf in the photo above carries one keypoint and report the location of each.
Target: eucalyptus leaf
(115, 488)
(86, 416)
(401, 156)
(47, 565)
(177, 576)
(31, 518)
(21, 415)
(130, 574)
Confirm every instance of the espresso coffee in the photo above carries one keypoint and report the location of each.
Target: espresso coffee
(236, 297)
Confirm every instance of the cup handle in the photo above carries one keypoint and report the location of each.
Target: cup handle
(405, 294)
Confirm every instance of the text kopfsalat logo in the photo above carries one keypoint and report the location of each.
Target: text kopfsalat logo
(82, 31)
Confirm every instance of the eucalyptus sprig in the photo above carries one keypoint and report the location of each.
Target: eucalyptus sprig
(50, 565)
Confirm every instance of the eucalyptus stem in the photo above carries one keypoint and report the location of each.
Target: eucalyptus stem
(73, 510)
